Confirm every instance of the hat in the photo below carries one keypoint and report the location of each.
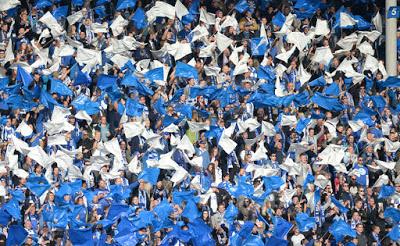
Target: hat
(202, 142)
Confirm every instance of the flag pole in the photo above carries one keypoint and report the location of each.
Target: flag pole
(391, 39)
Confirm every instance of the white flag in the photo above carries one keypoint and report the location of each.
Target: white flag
(223, 42)
(322, 55)
(346, 20)
(180, 9)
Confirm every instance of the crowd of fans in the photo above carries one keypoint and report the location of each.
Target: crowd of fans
(197, 122)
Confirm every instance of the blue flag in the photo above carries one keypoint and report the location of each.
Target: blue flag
(82, 102)
(332, 90)
(12, 208)
(279, 19)
(60, 12)
(149, 175)
(160, 107)
(179, 196)
(37, 185)
(328, 103)
(300, 126)
(242, 6)
(185, 110)
(176, 234)
(23, 76)
(386, 191)
(100, 11)
(379, 102)
(78, 77)
(139, 19)
(155, 74)
(191, 211)
(47, 100)
(266, 72)
(16, 235)
(320, 81)
(131, 80)
(17, 195)
(339, 229)
(281, 227)
(391, 81)
(362, 24)
(81, 237)
(201, 233)
(41, 4)
(106, 81)
(241, 189)
(134, 108)
(305, 222)
(184, 70)
(258, 46)
(124, 4)
(230, 213)
(116, 210)
(276, 241)
(394, 234)
(163, 210)
(393, 214)
(309, 179)
(57, 86)
(60, 217)
(273, 182)
(78, 3)
(339, 205)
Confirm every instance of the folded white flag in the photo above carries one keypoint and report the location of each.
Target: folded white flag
(40, 156)
(284, 56)
(227, 144)
(288, 120)
(223, 42)
(322, 28)
(172, 128)
(371, 64)
(186, 145)
(198, 126)
(99, 28)
(346, 20)
(83, 115)
(118, 25)
(72, 19)
(133, 129)
(386, 165)
(161, 9)
(24, 129)
(20, 145)
(180, 9)
(322, 55)
(179, 175)
(51, 22)
(8, 4)
(268, 129)
(321, 181)
(206, 17)
(230, 21)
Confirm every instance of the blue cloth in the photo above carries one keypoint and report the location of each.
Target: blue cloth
(242, 6)
(139, 19)
(339, 229)
(16, 235)
(281, 227)
(305, 222)
(184, 70)
(328, 103)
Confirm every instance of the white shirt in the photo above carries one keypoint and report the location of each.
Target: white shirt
(296, 239)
